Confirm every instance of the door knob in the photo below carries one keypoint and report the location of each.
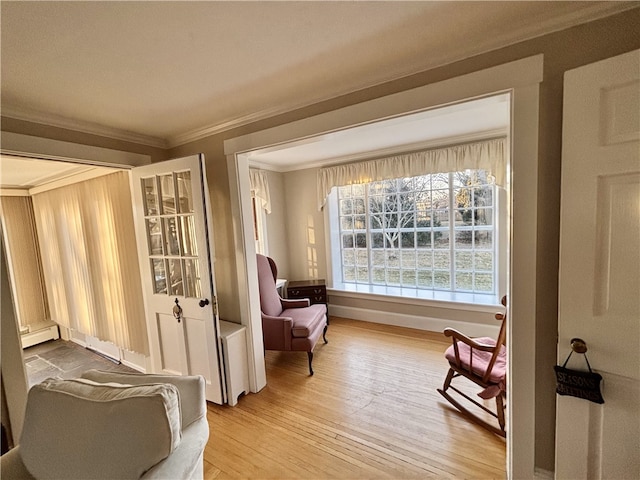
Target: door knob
(204, 302)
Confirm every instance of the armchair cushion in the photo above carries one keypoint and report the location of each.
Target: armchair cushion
(305, 320)
(82, 429)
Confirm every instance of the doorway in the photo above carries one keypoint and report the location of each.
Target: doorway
(521, 78)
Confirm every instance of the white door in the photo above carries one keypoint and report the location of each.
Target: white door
(173, 232)
(599, 296)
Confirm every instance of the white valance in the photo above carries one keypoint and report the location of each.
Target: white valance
(260, 187)
(488, 155)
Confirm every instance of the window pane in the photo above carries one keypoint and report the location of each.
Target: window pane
(483, 216)
(167, 194)
(483, 239)
(378, 258)
(408, 240)
(377, 240)
(483, 261)
(378, 276)
(175, 275)
(192, 278)
(171, 236)
(484, 282)
(424, 258)
(358, 206)
(346, 223)
(464, 261)
(359, 222)
(409, 278)
(441, 217)
(425, 279)
(150, 196)
(154, 236)
(408, 259)
(376, 222)
(348, 257)
(423, 239)
(188, 236)
(347, 241)
(183, 180)
(464, 239)
(362, 257)
(349, 274)
(441, 259)
(361, 240)
(393, 258)
(441, 279)
(393, 276)
(483, 196)
(464, 281)
(440, 239)
(346, 207)
(159, 275)
(362, 274)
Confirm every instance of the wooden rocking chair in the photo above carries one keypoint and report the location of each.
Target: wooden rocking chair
(484, 362)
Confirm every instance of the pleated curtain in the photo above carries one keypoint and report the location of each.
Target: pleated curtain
(90, 260)
(489, 155)
(260, 187)
(23, 255)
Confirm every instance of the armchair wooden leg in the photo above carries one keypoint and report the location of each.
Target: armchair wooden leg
(324, 333)
(310, 355)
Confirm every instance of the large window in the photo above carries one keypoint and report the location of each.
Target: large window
(429, 232)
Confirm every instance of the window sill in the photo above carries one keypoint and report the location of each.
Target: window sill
(456, 301)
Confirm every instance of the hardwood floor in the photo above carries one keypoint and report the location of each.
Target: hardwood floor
(370, 411)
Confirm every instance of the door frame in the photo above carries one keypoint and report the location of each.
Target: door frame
(521, 78)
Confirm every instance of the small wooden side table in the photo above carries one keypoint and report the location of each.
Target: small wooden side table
(314, 290)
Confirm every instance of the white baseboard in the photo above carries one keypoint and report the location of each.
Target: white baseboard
(39, 336)
(413, 321)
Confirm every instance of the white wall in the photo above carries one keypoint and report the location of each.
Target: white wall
(276, 223)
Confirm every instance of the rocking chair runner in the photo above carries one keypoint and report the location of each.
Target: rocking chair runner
(484, 362)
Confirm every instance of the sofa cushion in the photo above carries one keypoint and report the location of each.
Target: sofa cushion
(305, 320)
(193, 405)
(83, 429)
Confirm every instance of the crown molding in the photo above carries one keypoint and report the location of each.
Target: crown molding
(591, 13)
(52, 120)
(571, 19)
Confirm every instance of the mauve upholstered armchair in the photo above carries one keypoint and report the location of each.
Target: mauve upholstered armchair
(288, 325)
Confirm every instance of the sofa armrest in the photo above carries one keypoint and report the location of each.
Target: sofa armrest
(186, 461)
(276, 332)
(297, 303)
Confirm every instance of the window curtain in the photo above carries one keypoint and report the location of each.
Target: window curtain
(260, 187)
(23, 254)
(90, 260)
(489, 155)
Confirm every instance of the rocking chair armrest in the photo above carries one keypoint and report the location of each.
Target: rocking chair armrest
(461, 337)
(297, 303)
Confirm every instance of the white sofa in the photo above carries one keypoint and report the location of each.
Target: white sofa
(112, 426)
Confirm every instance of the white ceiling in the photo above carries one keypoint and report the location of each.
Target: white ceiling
(19, 173)
(164, 73)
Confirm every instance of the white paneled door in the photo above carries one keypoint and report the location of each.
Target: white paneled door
(599, 297)
(174, 236)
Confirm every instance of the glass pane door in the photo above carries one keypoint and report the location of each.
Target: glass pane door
(171, 235)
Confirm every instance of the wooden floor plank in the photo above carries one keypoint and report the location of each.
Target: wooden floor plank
(370, 411)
